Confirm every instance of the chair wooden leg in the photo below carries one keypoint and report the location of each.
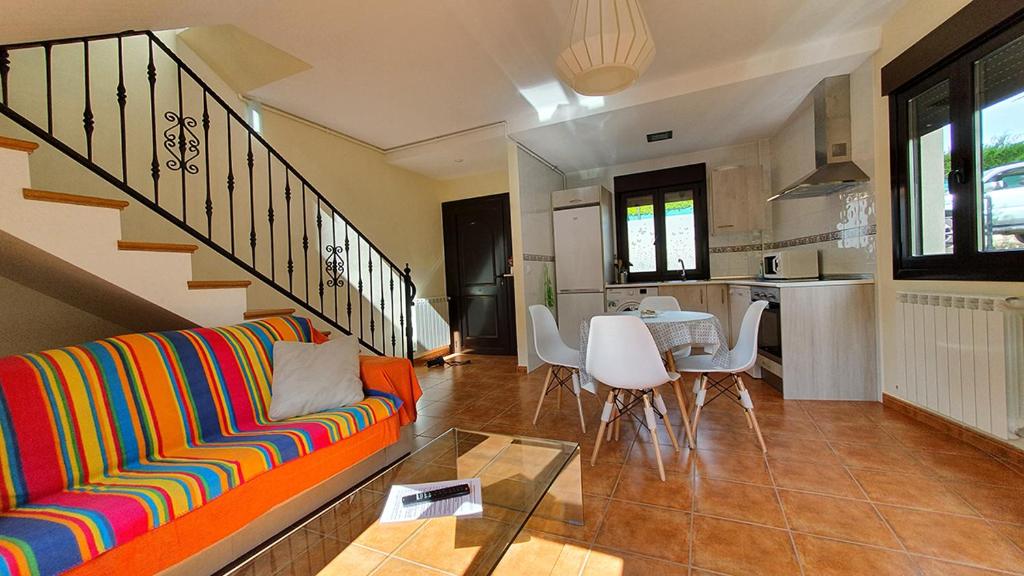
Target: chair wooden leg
(748, 406)
(543, 393)
(659, 402)
(685, 411)
(739, 390)
(700, 401)
(615, 414)
(605, 417)
(652, 424)
(579, 405)
(670, 361)
(618, 416)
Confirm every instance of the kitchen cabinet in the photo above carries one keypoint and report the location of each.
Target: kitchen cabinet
(690, 297)
(737, 204)
(828, 343)
(718, 306)
(739, 300)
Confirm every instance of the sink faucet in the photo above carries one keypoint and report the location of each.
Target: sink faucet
(683, 266)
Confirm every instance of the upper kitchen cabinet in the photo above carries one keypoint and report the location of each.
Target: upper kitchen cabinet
(736, 200)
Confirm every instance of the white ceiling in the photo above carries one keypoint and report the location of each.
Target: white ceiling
(734, 113)
(393, 72)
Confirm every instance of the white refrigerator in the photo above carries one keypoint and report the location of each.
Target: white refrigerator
(583, 228)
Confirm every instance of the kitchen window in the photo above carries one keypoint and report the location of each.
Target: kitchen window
(957, 145)
(663, 228)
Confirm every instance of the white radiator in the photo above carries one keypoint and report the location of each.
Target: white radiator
(430, 324)
(963, 357)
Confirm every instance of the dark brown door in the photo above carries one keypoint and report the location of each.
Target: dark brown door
(477, 257)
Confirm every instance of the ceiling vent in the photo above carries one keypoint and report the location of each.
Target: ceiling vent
(659, 136)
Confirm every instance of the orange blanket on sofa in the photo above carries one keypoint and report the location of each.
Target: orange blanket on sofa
(130, 454)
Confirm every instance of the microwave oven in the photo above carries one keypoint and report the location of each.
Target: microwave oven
(790, 264)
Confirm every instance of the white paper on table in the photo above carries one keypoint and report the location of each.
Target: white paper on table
(468, 505)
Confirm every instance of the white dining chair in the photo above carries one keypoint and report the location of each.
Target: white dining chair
(622, 355)
(659, 303)
(563, 362)
(665, 304)
(741, 358)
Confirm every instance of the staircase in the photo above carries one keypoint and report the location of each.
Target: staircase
(127, 109)
(85, 232)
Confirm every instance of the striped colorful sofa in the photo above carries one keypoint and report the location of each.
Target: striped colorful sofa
(126, 455)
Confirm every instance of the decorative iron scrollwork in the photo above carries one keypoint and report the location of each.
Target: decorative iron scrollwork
(181, 142)
(335, 267)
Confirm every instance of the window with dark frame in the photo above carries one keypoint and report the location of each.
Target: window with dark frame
(957, 148)
(662, 223)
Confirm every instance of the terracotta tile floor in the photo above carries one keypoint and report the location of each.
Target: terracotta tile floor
(846, 488)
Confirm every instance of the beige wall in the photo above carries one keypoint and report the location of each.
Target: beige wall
(908, 25)
(31, 318)
(473, 186)
(397, 209)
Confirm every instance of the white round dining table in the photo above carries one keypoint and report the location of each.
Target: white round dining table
(669, 316)
(670, 329)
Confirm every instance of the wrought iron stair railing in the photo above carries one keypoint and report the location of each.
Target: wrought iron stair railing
(126, 107)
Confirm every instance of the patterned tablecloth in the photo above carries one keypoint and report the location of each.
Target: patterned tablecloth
(670, 330)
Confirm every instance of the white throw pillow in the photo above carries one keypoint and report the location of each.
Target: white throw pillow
(310, 378)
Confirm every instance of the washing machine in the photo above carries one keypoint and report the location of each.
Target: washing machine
(624, 299)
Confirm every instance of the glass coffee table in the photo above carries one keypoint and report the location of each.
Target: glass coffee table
(521, 477)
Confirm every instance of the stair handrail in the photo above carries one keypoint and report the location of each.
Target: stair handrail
(181, 141)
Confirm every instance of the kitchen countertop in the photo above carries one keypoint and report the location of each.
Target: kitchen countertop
(750, 281)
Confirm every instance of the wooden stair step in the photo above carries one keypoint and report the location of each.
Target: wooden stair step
(20, 145)
(216, 284)
(62, 198)
(156, 247)
(266, 313)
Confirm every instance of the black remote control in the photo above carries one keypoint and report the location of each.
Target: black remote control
(436, 495)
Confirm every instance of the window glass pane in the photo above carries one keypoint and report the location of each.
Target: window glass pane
(930, 144)
(680, 231)
(640, 233)
(1000, 148)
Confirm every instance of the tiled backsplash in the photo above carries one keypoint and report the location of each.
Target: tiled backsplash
(840, 226)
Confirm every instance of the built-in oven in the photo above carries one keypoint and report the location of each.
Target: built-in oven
(769, 333)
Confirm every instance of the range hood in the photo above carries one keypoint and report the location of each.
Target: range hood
(834, 168)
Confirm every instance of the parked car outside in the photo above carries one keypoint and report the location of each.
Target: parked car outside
(1004, 196)
(1003, 204)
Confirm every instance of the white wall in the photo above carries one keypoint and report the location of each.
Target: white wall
(786, 157)
(908, 25)
(531, 183)
(738, 263)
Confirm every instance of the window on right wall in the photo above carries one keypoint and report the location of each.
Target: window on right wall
(957, 143)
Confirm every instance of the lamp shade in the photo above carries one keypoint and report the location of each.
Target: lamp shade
(608, 46)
